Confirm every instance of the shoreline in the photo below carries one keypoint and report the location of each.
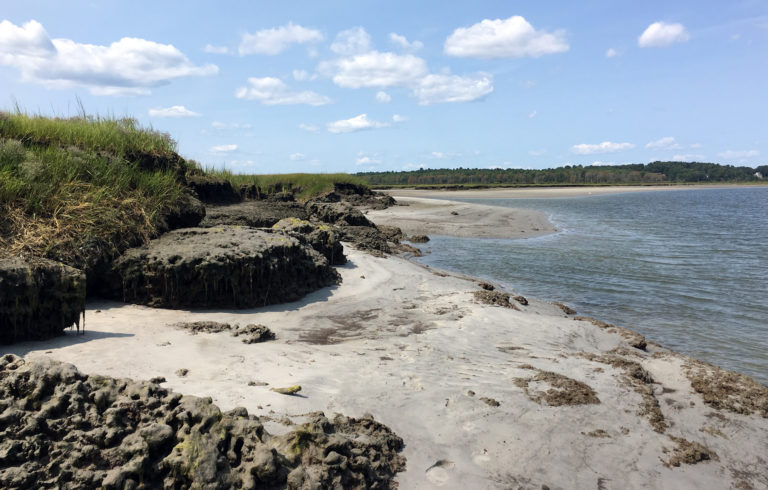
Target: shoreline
(547, 192)
(463, 383)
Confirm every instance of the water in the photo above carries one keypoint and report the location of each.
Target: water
(688, 269)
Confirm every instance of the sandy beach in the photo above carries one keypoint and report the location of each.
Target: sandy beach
(484, 396)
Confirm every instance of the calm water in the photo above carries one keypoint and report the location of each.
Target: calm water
(688, 269)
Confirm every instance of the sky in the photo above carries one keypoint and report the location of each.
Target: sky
(339, 86)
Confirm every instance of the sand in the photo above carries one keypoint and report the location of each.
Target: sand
(484, 396)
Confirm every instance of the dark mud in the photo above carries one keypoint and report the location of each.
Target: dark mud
(62, 429)
(39, 298)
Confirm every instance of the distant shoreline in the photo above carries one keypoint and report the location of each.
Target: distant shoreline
(546, 192)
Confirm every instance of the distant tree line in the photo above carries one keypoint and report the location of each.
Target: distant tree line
(651, 173)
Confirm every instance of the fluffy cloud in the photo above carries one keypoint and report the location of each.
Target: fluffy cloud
(433, 89)
(173, 111)
(383, 97)
(689, 157)
(275, 41)
(611, 53)
(375, 69)
(273, 91)
(223, 148)
(604, 147)
(438, 154)
(210, 48)
(398, 118)
(402, 43)
(130, 66)
(510, 38)
(738, 154)
(357, 123)
(666, 143)
(661, 34)
(351, 42)
(366, 160)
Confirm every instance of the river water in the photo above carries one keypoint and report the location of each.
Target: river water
(688, 269)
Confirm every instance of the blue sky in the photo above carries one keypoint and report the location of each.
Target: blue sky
(307, 86)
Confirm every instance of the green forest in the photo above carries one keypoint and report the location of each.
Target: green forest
(651, 173)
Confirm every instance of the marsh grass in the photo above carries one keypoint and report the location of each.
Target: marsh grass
(67, 188)
(301, 185)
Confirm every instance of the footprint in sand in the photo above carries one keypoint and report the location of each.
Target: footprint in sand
(440, 472)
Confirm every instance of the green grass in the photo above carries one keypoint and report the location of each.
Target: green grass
(302, 185)
(117, 136)
(67, 187)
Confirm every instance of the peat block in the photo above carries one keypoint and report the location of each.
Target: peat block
(63, 429)
(259, 214)
(39, 298)
(319, 236)
(338, 213)
(226, 266)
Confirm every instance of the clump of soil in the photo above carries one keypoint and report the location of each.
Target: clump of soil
(227, 266)
(688, 452)
(418, 238)
(212, 189)
(252, 333)
(522, 300)
(337, 213)
(726, 390)
(39, 298)
(486, 286)
(257, 214)
(495, 298)
(566, 309)
(366, 238)
(61, 428)
(406, 250)
(491, 402)
(640, 380)
(391, 233)
(321, 237)
(562, 390)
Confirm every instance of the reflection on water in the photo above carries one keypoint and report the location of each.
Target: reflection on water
(688, 269)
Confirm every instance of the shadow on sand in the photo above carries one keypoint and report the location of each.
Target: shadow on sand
(70, 337)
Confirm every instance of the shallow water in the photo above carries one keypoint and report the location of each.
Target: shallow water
(688, 269)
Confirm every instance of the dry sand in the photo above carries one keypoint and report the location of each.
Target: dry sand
(455, 379)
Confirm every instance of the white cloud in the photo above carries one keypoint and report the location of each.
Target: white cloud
(661, 34)
(696, 145)
(275, 41)
(604, 147)
(398, 118)
(439, 154)
(532, 114)
(357, 123)
(383, 97)
(536, 153)
(665, 143)
(221, 125)
(351, 42)
(223, 148)
(375, 69)
(738, 154)
(173, 111)
(433, 89)
(273, 91)
(611, 53)
(366, 160)
(210, 48)
(598, 163)
(130, 66)
(402, 42)
(312, 128)
(300, 75)
(296, 157)
(689, 157)
(510, 38)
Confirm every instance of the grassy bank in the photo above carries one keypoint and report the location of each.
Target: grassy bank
(301, 185)
(86, 188)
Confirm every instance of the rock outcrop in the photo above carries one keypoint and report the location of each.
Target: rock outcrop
(62, 429)
(226, 266)
(39, 298)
